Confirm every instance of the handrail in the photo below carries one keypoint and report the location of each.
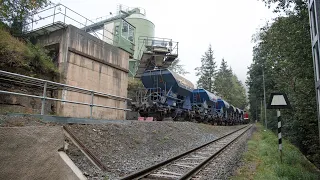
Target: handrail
(62, 85)
(171, 45)
(46, 84)
(74, 21)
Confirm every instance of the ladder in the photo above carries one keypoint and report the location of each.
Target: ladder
(195, 96)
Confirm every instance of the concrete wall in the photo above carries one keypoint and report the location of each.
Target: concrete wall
(32, 153)
(21, 104)
(87, 62)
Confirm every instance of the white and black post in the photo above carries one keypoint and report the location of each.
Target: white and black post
(279, 133)
(279, 101)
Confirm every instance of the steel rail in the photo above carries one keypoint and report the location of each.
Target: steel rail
(85, 150)
(144, 172)
(196, 169)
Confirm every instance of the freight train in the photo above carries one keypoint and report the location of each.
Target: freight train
(169, 95)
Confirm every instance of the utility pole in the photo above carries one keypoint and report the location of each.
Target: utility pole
(210, 81)
(264, 100)
(256, 109)
(261, 119)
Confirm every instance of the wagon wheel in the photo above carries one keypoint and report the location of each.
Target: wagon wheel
(159, 117)
(187, 117)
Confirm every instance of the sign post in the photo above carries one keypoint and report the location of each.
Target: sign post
(279, 101)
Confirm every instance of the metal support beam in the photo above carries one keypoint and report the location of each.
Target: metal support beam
(91, 106)
(264, 100)
(314, 18)
(44, 98)
(125, 106)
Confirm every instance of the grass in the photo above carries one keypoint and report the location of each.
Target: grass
(262, 160)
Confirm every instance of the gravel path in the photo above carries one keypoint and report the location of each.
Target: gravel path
(125, 148)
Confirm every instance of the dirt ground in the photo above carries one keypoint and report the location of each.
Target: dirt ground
(31, 152)
(20, 121)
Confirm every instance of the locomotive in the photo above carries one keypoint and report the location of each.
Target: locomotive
(169, 95)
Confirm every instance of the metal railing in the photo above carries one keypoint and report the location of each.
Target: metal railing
(50, 85)
(144, 42)
(59, 13)
(172, 46)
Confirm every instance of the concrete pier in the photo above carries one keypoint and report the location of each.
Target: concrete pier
(88, 62)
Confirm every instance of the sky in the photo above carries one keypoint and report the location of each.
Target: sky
(227, 25)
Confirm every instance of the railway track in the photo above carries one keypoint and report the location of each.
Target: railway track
(84, 149)
(188, 164)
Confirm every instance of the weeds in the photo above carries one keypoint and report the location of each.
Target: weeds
(262, 160)
(20, 56)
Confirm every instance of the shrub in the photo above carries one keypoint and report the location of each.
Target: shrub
(24, 57)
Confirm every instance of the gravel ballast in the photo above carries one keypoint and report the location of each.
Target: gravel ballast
(125, 148)
(129, 146)
(225, 164)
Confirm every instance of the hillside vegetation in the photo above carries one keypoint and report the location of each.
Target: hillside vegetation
(17, 53)
(23, 57)
(283, 52)
(262, 160)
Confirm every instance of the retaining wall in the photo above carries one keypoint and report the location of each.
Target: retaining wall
(88, 62)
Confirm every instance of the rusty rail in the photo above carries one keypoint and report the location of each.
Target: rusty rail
(144, 172)
(85, 150)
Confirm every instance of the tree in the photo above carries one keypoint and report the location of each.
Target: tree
(283, 51)
(177, 67)
(229, 87)
(223, 81)
(15, 13)
(207, 71)
(288, 5)
(239, 98)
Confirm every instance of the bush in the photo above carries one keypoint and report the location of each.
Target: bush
(24, 57)
(262, 160)
(40, 61)
(133, 86)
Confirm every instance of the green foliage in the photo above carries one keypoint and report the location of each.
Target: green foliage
(16, 12)
(287, 5)
(229, 87)
(26, 58)
(262, 160)
(283, 51)
(239, 98)
(40, 60)
(207, 70)
(223, 82)
(177, 67)
(133, 85)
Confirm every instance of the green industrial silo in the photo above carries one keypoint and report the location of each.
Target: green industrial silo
(143, 28)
